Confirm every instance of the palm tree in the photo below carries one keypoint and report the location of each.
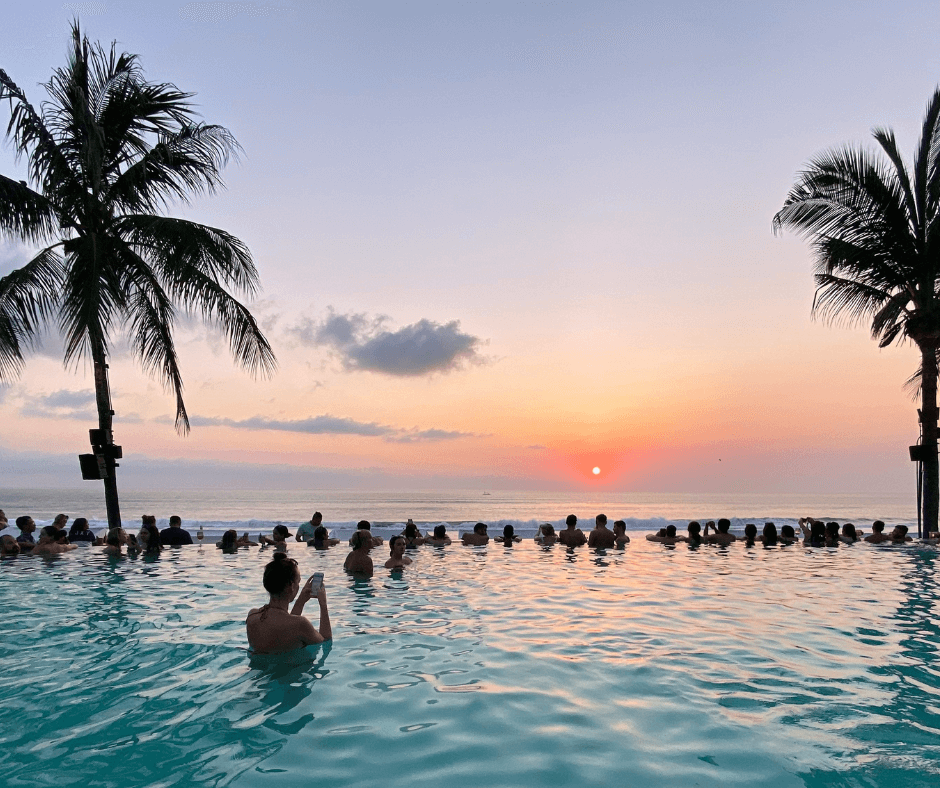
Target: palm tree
(874, 226)
(107, 153)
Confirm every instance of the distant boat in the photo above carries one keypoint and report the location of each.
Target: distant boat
(485, 492)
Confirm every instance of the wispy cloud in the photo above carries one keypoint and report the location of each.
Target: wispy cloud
(365, 343)
(62, 404)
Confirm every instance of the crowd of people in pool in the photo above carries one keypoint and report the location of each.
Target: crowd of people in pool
(54, 538)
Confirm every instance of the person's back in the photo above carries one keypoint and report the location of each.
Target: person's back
(665, 535)
(175, 535)
(572, 536)
(440, 537)
(601, 537)
(722, 536)
(479, 536)
(877, 534)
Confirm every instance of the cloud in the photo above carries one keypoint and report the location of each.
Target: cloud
(334, 425)
(365, 344)
(62, 404)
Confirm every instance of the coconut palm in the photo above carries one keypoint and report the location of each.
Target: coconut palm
(874, 225)
(107, 153)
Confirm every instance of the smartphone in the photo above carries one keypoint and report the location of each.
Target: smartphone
(315, 582)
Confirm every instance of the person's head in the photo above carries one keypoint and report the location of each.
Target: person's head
(153, 536)
(148, 519)
(878, 526)
(620, 527)
(849, 530)
(440, 531)
(817, 531)
(60, 521)
(364, 525)
(281, 577)
(361, 541)
(79, 526)
(25, 524)
(116, 537)
(175, 521)
(723, 525)
(750, 532)
(787, 532)
(899, 532)
(49, 535)
(601, 520)
(480, 528)
(316, 519)
(770, 533)
(230, 539)
(396, 546)
(280, 533)
(661, 533)
(411, 530)
(508, 532)
(9, 545)
(571, 521)
(832, 530)
(670, 532)
(320, 535)
(695, 530)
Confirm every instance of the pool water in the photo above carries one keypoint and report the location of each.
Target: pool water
(523, 666)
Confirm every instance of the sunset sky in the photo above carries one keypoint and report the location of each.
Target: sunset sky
(504, 243)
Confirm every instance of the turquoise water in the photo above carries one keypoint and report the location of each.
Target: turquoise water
(527, 666)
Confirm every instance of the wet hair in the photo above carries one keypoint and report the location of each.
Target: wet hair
(508, 532)
(479, 528)
(750, 533)
(440, 531)
(411, 531)
(662, 532)
(114, 537)
(620, 524)
(571, 520)
(832, 531)
(175, 520)
(153, 537)
(22, 520)
(902, 529)
(878, 526)
(359, 540)
(148, 519)
(770, 533)
(817, 532)
(601, 518)
(787, 532)
(695, 533)
(320, 535)
(51, 531)
(394, 541)
(723, 525)
(281, 530)
(364, 525)
(670, 531)
(279, 574)
(849, 530)
(79, 526)
(229, 539)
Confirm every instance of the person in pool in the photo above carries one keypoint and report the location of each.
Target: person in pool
(279, 536)
(694, 531)
(750, 534)
(509, 536)
(321, 539)
(439, 538)
(9, 545)
(149, 536)
(601, 537)
(114, 541)
(546, 534)
(665, 535)
(769, 535)
(814, 532)
(787, 534)
(899, 535)
(365, 525)
(306, 531)
(80, 532)
(849, 534)
(877, 534)
(478, 537)
(412, 535)
(398, 559)
(231, 541)
(27, 526)
(620, 534)
(720, 533)
(51, 542)
(572, 536)
(358, 562)
(272, 628)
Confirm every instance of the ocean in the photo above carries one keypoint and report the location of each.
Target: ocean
(258, 511)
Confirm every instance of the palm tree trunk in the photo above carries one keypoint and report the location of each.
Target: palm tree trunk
(105, 414)
(928, 417)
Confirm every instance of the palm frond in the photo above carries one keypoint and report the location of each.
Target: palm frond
(25, 214)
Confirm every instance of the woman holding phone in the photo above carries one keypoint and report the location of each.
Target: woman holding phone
(272, 628)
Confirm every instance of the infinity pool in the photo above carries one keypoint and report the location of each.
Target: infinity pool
(493, 666)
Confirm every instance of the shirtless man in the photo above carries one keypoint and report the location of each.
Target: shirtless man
(440, 537)
(9, 545)
(398, 560)
(620, 533)
(272, 629)
(49, 544)
(877, 534)
(601, 536)
(572, 536)
(546, 534)
(669, 537)
(899, 535)
(366, 526)
(358, 561)
(720, 535)
(478, 537)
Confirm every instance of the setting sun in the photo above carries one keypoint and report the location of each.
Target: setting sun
(596, 471)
